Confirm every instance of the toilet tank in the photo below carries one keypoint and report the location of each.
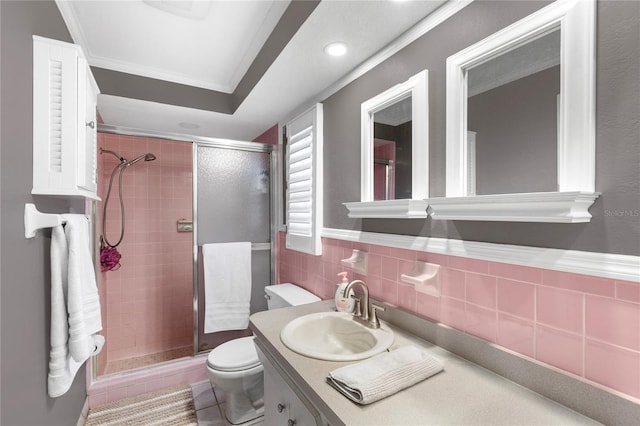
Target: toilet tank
(283, 295)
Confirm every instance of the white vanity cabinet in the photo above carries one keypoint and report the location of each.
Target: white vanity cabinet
(283, 405)
(64, 121)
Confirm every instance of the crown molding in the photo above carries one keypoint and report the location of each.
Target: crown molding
(274, 14)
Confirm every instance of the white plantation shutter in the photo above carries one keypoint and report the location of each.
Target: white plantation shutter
(304, 182)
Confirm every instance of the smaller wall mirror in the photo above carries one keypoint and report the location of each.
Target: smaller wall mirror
(395, 152)
(392, 147)
(521, 121)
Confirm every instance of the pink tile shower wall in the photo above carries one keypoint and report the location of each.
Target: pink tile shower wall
(149, 299)
(584, 325)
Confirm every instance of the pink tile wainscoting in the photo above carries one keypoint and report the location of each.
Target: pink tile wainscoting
(584, 325)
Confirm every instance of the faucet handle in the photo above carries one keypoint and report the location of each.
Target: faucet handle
(357, 310)
(374, 314)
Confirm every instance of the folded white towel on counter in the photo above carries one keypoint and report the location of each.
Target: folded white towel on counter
(227, 286)
(384, 374)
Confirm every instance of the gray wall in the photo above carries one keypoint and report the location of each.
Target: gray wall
(615, 227)
(25, 283)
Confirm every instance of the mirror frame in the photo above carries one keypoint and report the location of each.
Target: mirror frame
(576, 141)
(417, 87)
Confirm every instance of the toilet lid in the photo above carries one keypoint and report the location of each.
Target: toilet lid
(234, 355)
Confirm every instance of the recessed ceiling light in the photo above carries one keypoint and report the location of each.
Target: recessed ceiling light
(335, 49)
(187, 125)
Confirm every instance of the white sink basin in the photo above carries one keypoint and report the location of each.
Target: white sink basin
(335, 336)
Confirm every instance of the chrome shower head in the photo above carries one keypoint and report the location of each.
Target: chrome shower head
(146, 157)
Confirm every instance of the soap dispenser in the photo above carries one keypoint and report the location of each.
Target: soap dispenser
(344, 304)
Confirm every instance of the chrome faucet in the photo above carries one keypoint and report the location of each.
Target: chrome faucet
(365, 312)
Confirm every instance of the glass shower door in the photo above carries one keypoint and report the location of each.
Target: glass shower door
(233, 204)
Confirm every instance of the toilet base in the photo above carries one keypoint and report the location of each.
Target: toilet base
(238, 409)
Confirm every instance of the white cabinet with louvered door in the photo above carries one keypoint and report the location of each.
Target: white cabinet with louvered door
(64, 121)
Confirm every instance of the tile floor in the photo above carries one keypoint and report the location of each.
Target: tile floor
(207, 410)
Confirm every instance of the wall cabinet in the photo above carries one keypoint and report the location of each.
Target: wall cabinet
(64, 121)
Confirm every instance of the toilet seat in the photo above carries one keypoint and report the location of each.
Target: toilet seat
(234, 355)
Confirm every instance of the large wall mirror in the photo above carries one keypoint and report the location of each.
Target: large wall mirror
(395, 152)
(521, 121)
(512, 112)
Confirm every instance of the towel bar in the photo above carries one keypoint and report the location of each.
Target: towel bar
(260, 246)
(254, 246)
(34, 220)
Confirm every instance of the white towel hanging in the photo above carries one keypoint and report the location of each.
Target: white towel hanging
(227, 284)
(75, 304)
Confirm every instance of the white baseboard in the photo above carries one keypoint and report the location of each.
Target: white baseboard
(615, 266)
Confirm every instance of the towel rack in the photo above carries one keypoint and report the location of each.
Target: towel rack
(255, 246)
(34, 220)
(260, 246)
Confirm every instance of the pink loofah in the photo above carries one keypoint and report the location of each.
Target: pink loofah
(109, 258)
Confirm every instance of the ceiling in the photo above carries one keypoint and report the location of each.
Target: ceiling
(251, 64)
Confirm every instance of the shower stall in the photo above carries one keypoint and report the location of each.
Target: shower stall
(176, 194)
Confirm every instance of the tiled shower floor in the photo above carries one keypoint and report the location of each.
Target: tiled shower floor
(143, 361)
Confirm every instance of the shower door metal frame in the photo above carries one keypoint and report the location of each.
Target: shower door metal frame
(240, 146)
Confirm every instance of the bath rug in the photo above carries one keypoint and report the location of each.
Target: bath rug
(168, 407)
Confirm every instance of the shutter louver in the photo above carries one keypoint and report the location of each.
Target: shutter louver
(55, 116)
(304, 182)
(300, 183)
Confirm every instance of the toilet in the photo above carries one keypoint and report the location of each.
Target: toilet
(235, 368)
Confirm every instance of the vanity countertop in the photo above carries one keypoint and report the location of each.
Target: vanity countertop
(463, 393)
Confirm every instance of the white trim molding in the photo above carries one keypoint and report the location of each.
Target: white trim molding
(557, 207)
(199, 10)
(576, 142)
(614, 266)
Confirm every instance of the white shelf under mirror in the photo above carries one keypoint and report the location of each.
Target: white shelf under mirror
(513, 182)
(393, 209)
(556, 207)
